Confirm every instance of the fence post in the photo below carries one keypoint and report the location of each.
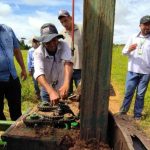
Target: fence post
(98, 30)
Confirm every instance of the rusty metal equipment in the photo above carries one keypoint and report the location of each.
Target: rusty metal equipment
(42, 130)
(58, 116)
(20, 137)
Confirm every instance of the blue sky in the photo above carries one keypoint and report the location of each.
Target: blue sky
(27, 16)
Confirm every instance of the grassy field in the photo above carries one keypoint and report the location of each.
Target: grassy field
(118, 75)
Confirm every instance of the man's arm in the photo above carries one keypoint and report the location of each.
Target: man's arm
(54, 96)
(129, 47)
(19, 59)
(68, 69)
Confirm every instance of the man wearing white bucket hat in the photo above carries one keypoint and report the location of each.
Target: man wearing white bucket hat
(30, 63)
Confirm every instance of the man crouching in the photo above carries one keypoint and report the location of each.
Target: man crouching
(53, 66)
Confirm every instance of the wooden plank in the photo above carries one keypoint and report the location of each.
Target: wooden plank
(97, 46)
(117, 137)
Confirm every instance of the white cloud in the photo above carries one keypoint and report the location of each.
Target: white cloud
(127, 16)
(40, 18)
(28, 22)
(5, 9)
(42, 2)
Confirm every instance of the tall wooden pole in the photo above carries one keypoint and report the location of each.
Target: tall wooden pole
(97, 45)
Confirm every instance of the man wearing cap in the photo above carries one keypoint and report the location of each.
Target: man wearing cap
(30, 63)
(76, 45)
(10, 87)
(138, 51)
(53, 65)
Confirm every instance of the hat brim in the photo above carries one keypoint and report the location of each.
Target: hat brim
(60, 16)
(146, 21)
(36, 38)
(49, 37)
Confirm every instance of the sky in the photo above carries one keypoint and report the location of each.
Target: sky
(27, 16)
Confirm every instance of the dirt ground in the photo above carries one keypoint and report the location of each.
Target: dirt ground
(114, 101)
(127, 123)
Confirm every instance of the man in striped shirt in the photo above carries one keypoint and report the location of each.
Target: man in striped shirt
(53, 65)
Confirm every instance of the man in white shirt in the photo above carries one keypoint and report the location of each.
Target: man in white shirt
(138, 51)
(76, 45)
(52, 64)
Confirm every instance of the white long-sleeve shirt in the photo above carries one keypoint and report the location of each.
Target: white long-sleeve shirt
(50, 66)
(138, 59)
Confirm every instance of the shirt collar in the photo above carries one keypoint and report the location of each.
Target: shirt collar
(1, 27)
(75, 28)
(142, 36)
(58, 49)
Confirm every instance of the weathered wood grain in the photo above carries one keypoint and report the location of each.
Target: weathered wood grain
(97, 45)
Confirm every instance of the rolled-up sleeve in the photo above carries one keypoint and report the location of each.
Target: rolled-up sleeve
(38, 63)
(66, 52)
(126, 48)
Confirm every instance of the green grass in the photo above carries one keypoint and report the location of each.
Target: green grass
(118, 77)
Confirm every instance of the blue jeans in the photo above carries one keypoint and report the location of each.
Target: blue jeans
(76, 77)
(139, 83)
(36, 86)
(44, 95)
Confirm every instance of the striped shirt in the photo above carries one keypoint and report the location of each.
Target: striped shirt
(52, 66)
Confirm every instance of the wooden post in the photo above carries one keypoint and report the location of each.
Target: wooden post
(97, 45)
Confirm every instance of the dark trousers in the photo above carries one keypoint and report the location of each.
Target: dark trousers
(11, 90)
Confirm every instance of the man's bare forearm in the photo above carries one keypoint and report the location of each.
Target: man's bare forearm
(43, 82)
(68, 70)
